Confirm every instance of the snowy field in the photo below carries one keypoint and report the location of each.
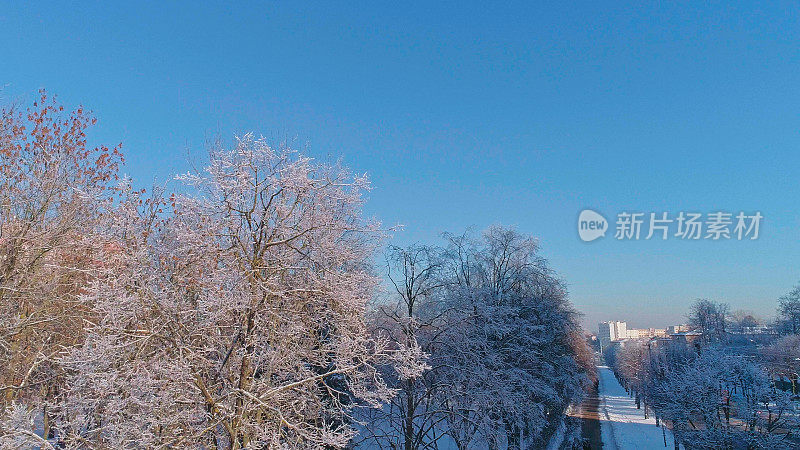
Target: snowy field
(623, 426)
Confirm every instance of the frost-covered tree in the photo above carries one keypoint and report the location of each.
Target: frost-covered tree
(412, 319)
(55, 193)
(712, 398)
(710, 318)
(789, 310)
(238, 322)
(715, 400)
(783, 359)
(504, 351)
(631, 365)
(511, 359)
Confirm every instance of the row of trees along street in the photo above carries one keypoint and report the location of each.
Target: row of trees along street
(244, 311)
(724, 388)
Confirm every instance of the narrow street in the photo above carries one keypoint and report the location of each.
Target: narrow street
(589, 414)
(622, 425)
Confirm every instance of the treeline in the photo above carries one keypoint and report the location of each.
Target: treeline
(714, 391)
(716, 321)
(244, 313)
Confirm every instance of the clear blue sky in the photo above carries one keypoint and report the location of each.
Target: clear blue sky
(467, 115)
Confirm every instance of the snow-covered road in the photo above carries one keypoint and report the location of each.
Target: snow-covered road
(622, 426)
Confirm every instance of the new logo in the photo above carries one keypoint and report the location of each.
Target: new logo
(591, 225)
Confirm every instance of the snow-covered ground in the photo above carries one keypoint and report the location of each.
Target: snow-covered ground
(622, 426)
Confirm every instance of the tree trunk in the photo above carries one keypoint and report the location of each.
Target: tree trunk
(409, 426)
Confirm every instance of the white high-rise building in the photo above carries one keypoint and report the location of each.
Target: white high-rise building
(611, 331)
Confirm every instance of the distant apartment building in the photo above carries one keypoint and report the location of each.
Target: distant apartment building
(646, 333)
(611, 331)
(614, 331)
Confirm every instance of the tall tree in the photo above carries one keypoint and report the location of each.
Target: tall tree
(412, 319)
(238, 322)
(55, 194)
(513, 359)
(710, 318)
(783, 358)
(789, 310)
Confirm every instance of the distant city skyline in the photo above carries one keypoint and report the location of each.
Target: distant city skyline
(466, 116)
